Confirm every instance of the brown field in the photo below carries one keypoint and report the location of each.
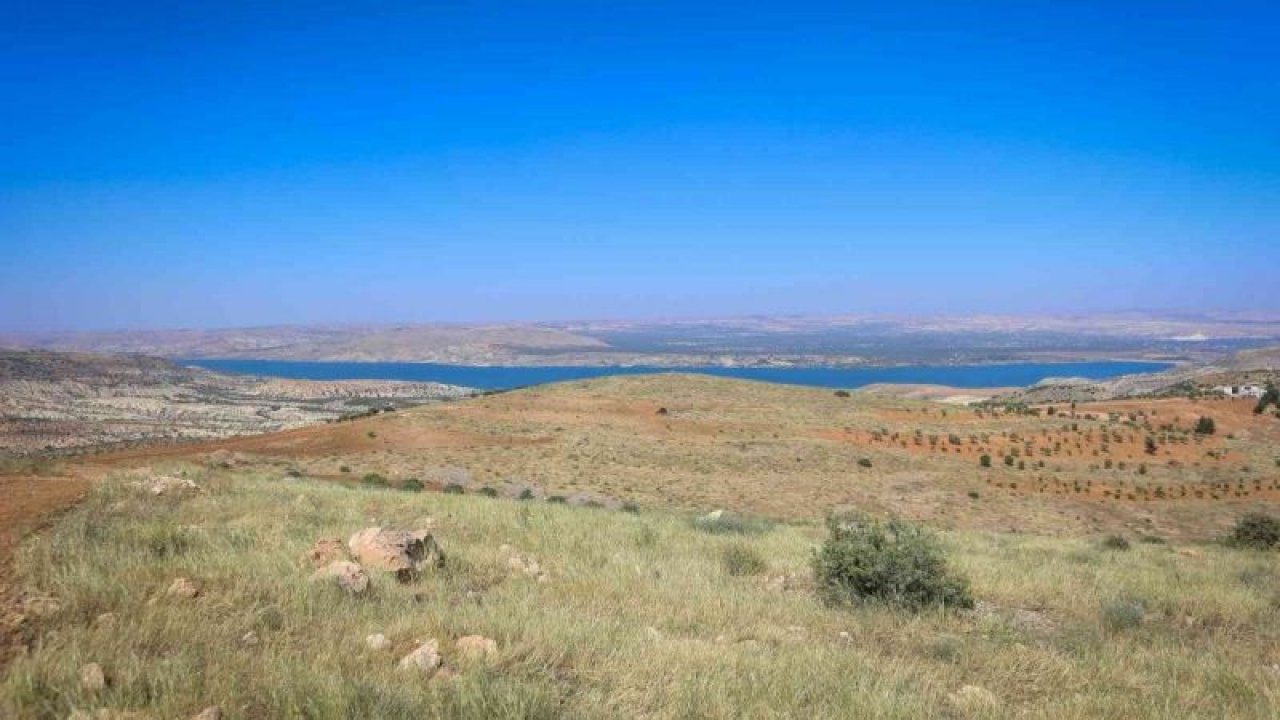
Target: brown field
(797, 453)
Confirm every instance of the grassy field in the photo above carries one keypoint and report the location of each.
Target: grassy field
(638, 616)
(698, 443)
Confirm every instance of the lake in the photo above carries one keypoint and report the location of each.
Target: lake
(502, 378)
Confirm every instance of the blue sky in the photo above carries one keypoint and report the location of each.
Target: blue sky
(226, 164)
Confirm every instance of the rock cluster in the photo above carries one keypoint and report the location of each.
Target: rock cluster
(163, 485)
(403, 553)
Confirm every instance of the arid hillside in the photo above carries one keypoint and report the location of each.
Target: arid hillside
(215, 575)
(700, 443)
(55, 402)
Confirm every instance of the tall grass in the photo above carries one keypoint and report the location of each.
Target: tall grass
(637, 617)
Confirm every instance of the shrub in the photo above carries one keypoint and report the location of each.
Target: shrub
(374, 480)
(740, 559)
(557, 499)
(525, 494)
(1269, 397)
(973, 495)
(454, 489)
(1152, 540)
(1115, 542)
(984, 460)
(373, 434)
(412, 485)
(1205, 426)
(890, 561)
(727, 523)
(864, 462)
(630, 507)
(344, 469)
(488, 492)
(1257, 530)
(1123, 614)
(842, 393)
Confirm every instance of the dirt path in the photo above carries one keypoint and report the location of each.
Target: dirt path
(27, 503)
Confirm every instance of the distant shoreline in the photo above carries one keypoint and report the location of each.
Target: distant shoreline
(503, 377)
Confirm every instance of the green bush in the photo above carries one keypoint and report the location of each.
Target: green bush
(1115, 542)
(864, 462)
(488, 492)
(984, 460)
(525, 494)
(1123, 614)
(891, 561)
(374, 480)
(412, 485)
(842, 393)
(721, 522)
(740, 559)
(1205, 425)
(454, 489)
(630, 507)
(557, 499)
(1257, 530)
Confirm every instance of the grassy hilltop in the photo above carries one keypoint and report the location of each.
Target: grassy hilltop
(624, 605)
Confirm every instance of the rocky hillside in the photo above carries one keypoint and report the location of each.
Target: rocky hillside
(1256, 366)
(52, 401)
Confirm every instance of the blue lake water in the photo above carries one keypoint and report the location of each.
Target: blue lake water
(501, 378)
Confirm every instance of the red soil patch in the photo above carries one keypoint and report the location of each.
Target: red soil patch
(30, 502)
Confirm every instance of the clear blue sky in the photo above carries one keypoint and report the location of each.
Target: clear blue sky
(220, 164)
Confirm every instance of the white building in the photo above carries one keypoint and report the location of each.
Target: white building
(1253, 391)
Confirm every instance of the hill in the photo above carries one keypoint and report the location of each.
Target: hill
(577, 581)
(701, 443)
(58, 402)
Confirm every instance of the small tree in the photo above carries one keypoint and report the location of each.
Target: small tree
(892, 561)
(1257, 530)
(984, 460)
(1205, 426)
(1270, 397)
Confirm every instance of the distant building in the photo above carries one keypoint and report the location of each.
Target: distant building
(1253, 391)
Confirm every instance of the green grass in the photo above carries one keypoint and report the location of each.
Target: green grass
(637, 618)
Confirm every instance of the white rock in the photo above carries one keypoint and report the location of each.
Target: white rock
(92, 678)
(424, 659)
(182, 588)
(972, 698)
(164, 485)
(348, 575)
(477, 648)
